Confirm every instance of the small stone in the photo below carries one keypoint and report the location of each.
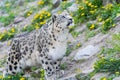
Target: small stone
(86, 52)
(18, 19)
(73, 7)
(117, 78)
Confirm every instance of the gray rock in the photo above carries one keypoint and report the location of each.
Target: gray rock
(117, 19)
(117, 78)
(18, 19)
(73, 7)
(54, 1)
(86, 52)
(70, 77)
(98, 76)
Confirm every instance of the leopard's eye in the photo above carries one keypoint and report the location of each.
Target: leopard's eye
(63, 16)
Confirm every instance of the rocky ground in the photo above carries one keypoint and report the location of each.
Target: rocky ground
(81, 60)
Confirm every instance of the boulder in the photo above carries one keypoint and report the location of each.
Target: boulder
(86, 52)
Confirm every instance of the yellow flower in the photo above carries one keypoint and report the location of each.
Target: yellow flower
(2, 35)
(82, 14)
(7, 5)
(108, 19)
(114, 25)
(82, 8)
(109, 6)
(37, 27)
(30, 11)
(40, 17)
(42, 22)
(42, 12)
(8, 43)
(71, 27)
(78, 70)
(103, 58)
(9, 33)
(111, 60)
(77, 2)
(22, 78)
(59, 12)
(9, 76)
(48, 14)
(4, 31)
(118, 14)
(86, 2)
(92, 26)
(71, 14)
(93, 66)
(95, 6)
(92, 6)
(92, 12)
(28, 14)
(117, 73)
(25, 27)
(13, 30)
(89, 4)
(40, 2)
(36, 16)
(103, 22)
(104, 78)
(36, 24)
(100, 19)
(1, 77)
(78, 45)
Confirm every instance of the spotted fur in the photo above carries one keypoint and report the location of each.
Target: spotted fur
(45, 46)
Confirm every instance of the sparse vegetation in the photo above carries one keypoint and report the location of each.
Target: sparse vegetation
(6, 35)
(89, 34)
(63, 66)
(92, 10)
(7, 19)
(109, 58)
(96, 16)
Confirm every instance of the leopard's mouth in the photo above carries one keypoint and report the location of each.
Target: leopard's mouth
(70, 22)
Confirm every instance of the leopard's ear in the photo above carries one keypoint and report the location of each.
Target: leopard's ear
(54, 16)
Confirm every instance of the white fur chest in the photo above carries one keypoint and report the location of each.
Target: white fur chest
(57, 51)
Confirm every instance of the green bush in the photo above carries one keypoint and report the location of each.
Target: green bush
(92, 26)
(6, 35)
(7, 19)
(38, 20)
(93, 9)
(87, 11)
(108, 58)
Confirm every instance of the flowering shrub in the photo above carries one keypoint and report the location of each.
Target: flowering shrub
(28, 13)
(64, 5)
(38, 21)
(42, 3)
(15, 77)
(88, 10)
(92, 26)
(8, 34)
(107, 16)
(107, 65)
(93, 9)
(108, 59)
(107, 24)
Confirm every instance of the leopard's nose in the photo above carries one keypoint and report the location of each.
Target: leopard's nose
(70, 20)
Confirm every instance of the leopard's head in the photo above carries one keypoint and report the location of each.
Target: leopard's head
(61, 22)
